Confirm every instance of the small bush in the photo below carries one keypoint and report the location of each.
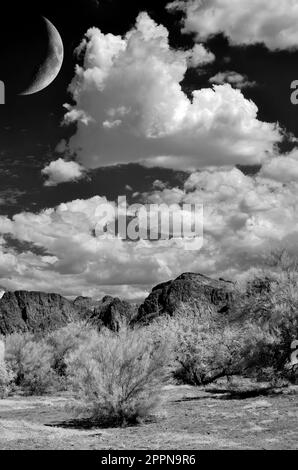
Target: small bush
(118, 376)
(30, 362)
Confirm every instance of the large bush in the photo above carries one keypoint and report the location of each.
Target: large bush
(30, 361)
(118, 377)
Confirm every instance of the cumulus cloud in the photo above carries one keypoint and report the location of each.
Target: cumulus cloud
(76, 261)
(243, 217)
(272, 23)
(282, 168)
(235, 79)
(62, 171)
(130, 107)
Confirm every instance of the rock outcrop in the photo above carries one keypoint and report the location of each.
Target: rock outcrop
(166, 297)
(86, 306)
(112, 312)
(23, 311)
(34, 311)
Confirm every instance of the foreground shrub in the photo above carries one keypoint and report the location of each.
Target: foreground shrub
(118, 377)
(66, 340)
(30, 362)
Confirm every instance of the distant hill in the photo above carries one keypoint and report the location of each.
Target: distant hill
(23, 311)
(38, 311)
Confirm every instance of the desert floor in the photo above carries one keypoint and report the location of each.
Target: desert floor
(193, 418)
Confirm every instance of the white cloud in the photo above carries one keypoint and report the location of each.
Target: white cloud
(61, 171)
(243, 217)
(75, 261)
(200, 56)
(157, 184)
(273, 23)
(235, 79)
(282, 168)
(130, 107)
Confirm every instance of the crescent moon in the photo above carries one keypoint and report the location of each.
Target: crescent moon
(49, 69)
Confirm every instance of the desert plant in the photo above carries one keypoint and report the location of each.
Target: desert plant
(6, 379)
(275, 311)
(206, 346)
(6, 375)
(118, 376)
(2, 350)
(66, 340)
(30, 362)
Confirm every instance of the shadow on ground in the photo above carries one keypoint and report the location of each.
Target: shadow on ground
(236, 394)
(89, 424)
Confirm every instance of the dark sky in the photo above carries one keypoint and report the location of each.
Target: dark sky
(30, 126)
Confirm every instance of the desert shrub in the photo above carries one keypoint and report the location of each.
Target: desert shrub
(192, 337)
(183, 333)
(6, 379)
(66, 340)
(30, 362)
(6, 375)
(2, 349)
(275, 311)
(205, 346)
(118, 376)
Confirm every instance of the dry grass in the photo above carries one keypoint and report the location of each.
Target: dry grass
(195, 419)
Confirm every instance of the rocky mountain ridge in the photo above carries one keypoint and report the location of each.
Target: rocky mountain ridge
(23, 311)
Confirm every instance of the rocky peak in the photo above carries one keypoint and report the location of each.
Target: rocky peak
(166, 297)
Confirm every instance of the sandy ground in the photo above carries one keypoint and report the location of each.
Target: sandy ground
(192, 418)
